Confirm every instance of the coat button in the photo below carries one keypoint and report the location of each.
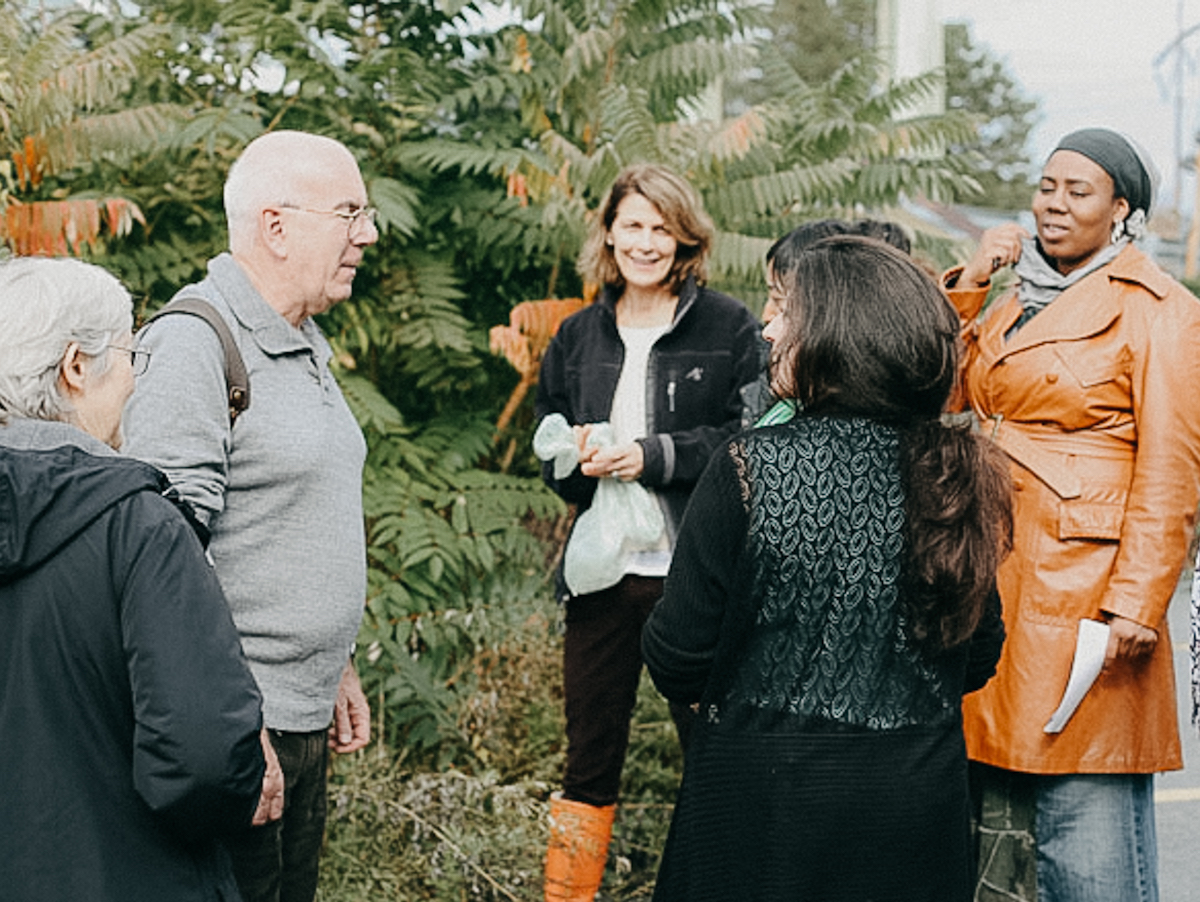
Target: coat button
(1052, 378)
(1018, 485)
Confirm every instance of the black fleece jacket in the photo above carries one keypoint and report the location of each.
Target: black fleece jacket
(694, 381)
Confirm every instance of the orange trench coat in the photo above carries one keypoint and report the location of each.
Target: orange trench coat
(1096, 400)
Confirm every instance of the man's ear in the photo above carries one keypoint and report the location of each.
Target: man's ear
(273, 231)
(73, 370)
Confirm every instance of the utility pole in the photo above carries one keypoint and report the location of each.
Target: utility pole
(1192, 257)
(1180, 60)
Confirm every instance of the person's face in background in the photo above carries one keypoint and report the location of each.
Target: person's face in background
(325, 250)
(776, 332)
(98, 400)
(775, 295)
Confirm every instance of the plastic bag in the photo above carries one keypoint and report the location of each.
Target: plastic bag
(623, 519)
(555, 440)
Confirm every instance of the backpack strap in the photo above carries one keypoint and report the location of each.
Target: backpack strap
(237, 380)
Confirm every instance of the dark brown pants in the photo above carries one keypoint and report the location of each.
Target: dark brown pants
(277, 862)
(602, 662)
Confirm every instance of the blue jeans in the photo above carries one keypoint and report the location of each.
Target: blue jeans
(1095, 838)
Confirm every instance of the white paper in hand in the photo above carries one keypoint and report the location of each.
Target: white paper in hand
(1090, 646)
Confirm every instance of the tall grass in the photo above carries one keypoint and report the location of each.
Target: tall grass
(476, 830)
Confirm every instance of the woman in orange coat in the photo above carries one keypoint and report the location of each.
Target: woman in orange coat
(1087, 377)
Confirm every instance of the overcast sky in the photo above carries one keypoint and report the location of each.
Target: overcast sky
(1090, 62)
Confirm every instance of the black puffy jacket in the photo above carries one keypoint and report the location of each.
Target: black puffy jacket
(129, 721)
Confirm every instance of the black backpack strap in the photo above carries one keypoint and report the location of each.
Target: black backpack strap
(237, 381)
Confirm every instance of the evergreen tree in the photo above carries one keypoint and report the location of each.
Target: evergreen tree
(68, 123)
(979, 84)
(599, 88)
(817, 37)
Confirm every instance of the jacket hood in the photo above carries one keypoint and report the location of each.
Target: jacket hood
(55, 480)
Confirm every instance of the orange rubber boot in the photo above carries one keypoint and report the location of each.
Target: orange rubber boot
(579, 835)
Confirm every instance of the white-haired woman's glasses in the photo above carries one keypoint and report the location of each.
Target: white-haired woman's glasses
(139, 358)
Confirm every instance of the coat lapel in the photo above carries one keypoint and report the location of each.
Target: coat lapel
(1090, 306)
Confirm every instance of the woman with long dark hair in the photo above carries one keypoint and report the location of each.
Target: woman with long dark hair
(830, 600)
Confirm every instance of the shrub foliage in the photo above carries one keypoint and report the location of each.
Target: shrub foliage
(484, 151)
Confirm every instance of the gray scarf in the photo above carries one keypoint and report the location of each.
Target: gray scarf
(1041, 283)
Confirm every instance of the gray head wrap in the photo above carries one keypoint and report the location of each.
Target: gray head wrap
(1128, 167)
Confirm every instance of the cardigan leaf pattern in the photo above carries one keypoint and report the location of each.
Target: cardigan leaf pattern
(824, 635)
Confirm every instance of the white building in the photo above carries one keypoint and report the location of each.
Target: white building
(911, 43)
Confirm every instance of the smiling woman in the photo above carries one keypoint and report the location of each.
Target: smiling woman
(644, 250)
(1085, 377)
(662, 360)
(1076, 210)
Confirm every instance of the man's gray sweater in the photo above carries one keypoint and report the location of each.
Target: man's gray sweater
(281, 489)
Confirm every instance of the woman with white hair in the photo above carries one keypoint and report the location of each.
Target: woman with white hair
(129, 721)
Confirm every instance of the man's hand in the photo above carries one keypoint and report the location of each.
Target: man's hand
(270, 803)
(351, 729)
(1128, 641)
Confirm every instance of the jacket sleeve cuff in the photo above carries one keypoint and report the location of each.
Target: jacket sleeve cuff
(1140, 614)
(967, 300)
(658, 459)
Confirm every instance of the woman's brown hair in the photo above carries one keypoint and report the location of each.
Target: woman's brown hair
(868, 333)
(681, 208)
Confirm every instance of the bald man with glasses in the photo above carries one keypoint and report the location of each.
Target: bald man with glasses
(281, 489)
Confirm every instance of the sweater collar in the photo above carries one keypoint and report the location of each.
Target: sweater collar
(688, 293)
(274, 334)
(1041, 283)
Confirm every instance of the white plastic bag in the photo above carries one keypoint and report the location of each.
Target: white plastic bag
(555, 440)
(623, 519)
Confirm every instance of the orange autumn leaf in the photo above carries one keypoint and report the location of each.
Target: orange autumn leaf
(508, 342)
(64, 226)
(30, 163)
(524, 340)
(522, 60)
(518, 187)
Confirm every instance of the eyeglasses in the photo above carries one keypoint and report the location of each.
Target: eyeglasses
(350, 217)
(139, 358)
